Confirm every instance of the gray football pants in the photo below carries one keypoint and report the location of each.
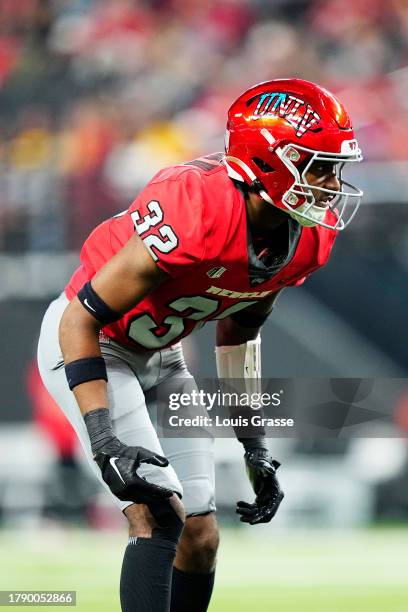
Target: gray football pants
(133, 382)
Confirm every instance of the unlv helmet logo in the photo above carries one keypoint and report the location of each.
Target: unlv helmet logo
(295, 111)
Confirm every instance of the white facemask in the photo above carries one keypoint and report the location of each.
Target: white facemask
(315, 215)
(343, 203)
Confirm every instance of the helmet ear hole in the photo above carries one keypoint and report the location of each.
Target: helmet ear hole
(263, 165)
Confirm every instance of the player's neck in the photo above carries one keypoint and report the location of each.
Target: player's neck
(263, 217)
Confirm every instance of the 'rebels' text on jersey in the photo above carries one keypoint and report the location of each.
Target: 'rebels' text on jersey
(192, 219)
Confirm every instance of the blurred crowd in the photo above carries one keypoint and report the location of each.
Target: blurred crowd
(96, 95)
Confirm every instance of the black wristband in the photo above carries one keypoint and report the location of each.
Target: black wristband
(99, 425)
(84, 370)
(245, 428)
(252, 443)
(95, 305)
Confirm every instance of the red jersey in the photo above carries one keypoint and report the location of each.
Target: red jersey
(192, 219)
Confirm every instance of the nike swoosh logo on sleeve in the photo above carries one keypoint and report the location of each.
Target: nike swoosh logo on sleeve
(87, 304)
(112, 461)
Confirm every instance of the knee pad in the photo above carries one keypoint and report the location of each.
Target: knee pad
(170, 524)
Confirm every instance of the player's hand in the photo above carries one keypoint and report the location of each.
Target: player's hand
(119, 463)
(261, 470)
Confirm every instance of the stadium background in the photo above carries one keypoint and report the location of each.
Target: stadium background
(95, 96)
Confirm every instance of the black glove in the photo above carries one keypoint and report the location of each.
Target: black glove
(119, 462)
(261, 470)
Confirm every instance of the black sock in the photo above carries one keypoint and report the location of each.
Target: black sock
(146, 575)
(191, 592)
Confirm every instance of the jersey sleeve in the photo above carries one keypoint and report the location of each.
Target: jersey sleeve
(300, 281)
(168, 216)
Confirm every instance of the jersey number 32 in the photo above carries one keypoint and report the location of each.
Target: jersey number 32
(166, 242)
(143, 329)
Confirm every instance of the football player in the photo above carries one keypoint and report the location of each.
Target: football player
(216, 238)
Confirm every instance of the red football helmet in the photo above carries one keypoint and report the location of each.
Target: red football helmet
(276, 131)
